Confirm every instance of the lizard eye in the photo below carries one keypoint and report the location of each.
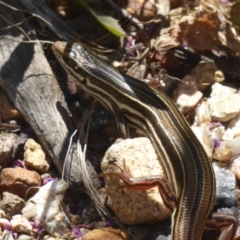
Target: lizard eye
(74, 54)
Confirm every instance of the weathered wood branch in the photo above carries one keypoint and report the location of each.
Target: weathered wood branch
(28, 80)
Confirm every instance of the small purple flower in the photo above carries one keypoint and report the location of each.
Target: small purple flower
(14, 234)
(6, 225)
(27, 130)
(213, 125)
(19, 163)
(49, 179)
(217, 143)
(36, 227)
(108, 224)
(129, 42)
(77, 232)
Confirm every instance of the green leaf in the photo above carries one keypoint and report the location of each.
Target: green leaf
(108, 22)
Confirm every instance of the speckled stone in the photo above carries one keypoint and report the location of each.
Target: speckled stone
(35, 157)
(19, 181)
(21, 224)
(7, 141)
(11, 204)
(223, 108)
(25, 237)
(226, 193)
(130, 205)
(106, 234)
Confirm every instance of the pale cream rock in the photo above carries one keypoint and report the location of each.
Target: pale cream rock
(57, 227)
(224, 152)
(236, 132)
(227, 150)
(228, 135)
(221, 90)
(235, 167)
(46, 208)
(130, 205)
(220, 164)
(217, 130)
(233, 128)
(7, 235)
(223, 109)
(203, 134)
(11, 204)
(2, 214)
(50, 238)
(25, 237)
(203, 116)
(206, 74)
(35, 157)
(20, 224)
(186, 96)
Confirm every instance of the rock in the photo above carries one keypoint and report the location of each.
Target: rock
(89, 214)
(46, 208)
(226, 192)
(204, 136)
(227, 150)
(223, 108)
(19, 181)
(235, 168)
(233, 129)
(45, 176)
(11, 204)
(164, 237)
(21, 224)
(186, 96)
(203, 116)
(35, 157)
(46, 237)
(25, 237)
(7, 235)
(75, 219)
(2, 214)
(56, 227)
(221, 90)
(217, 131)
(7, 141)
(106, 234)
(206, 74)
(130, 205)
(18, 148)
(7, 110)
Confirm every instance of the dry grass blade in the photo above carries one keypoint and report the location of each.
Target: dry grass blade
(83, 171)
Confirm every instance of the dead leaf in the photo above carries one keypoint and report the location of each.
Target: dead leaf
(205, 29)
